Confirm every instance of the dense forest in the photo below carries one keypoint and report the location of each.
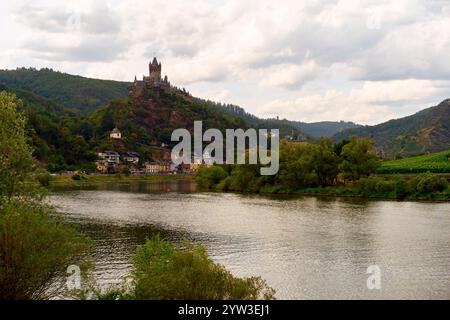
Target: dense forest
(65, 89)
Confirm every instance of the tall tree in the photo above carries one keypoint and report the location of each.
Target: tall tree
(16, 161)
(35, 247)
(358, 158)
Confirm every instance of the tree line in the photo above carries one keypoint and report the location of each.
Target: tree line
(344, 168)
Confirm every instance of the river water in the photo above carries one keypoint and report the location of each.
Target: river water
(305, 247)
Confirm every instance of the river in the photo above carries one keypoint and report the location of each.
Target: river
(305, 247)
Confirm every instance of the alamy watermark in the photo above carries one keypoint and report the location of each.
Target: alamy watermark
(240, 145)
(374, 280)
(73, 281)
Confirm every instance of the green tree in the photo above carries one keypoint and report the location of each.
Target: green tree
(35, 247)
(325, 162)
(358, 158)
(208, 177)
(16, 162)
(35, 251)
(297, 166)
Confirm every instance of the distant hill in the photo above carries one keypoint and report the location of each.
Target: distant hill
(65, 89)
(289, 127)
(426, 131)
(326, 128)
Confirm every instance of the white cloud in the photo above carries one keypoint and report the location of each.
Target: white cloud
(371, 103)
(356, 60)
(291, 76)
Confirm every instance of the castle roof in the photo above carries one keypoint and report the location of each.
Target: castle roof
(154, 62)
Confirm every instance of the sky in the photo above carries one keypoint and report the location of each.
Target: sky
(361, 61)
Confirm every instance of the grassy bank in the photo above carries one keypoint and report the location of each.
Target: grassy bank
(426, 186)
(352, 191)
(94, 179)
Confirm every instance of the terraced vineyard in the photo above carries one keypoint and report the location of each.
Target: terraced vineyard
(436, 162)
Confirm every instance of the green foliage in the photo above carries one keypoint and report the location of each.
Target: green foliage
(35, 247)
(65, 89)
(358, 159)
(303, 165)
(436, 162)
(35, 250)
(427, 182)
(162, 271)
(297, 166)
(77, 177)
(43, 177)
(374, 184)
(325, 162)
(208, 177)
(401, 187)
(15, 155)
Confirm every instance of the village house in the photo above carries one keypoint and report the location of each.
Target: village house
(159, 167)
(110, 156)
(108, 161)
(131, 157)
(115, 134)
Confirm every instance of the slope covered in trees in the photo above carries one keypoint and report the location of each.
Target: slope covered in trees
(65, 89)
(426, 131)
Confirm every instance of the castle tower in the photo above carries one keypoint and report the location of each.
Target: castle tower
(155, 72)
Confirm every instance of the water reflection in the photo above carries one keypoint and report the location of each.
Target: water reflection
(306, 247)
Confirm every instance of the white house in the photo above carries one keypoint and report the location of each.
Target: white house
(115, 134)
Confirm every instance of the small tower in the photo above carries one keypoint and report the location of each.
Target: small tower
(155, 72)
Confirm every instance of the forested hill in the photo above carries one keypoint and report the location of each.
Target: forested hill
(326, 128)
(68, 138)
(87, 94)
(289, 127)
(64, 89)
(423, 132)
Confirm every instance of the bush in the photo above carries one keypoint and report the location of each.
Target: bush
(76, 177)
(162, 271)
(369, 185)
(208, 177)
(384, 186)
(374, 184)
(35, 249)
(402, 188)
(426, 183)
(43, 177)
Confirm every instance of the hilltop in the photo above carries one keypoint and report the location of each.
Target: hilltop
(426, 131)
(64, 89)
(86, 94)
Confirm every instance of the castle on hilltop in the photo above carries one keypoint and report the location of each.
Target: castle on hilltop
(153, 80)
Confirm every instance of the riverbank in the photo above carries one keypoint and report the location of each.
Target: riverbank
(95, 179)
(345, 191)
(425, 186)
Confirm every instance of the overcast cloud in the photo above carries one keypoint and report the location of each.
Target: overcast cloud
(363, 61)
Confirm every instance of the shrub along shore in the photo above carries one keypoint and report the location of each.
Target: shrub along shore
(345, 169)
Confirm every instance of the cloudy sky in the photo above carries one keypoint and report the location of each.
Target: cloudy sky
(362, 61)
